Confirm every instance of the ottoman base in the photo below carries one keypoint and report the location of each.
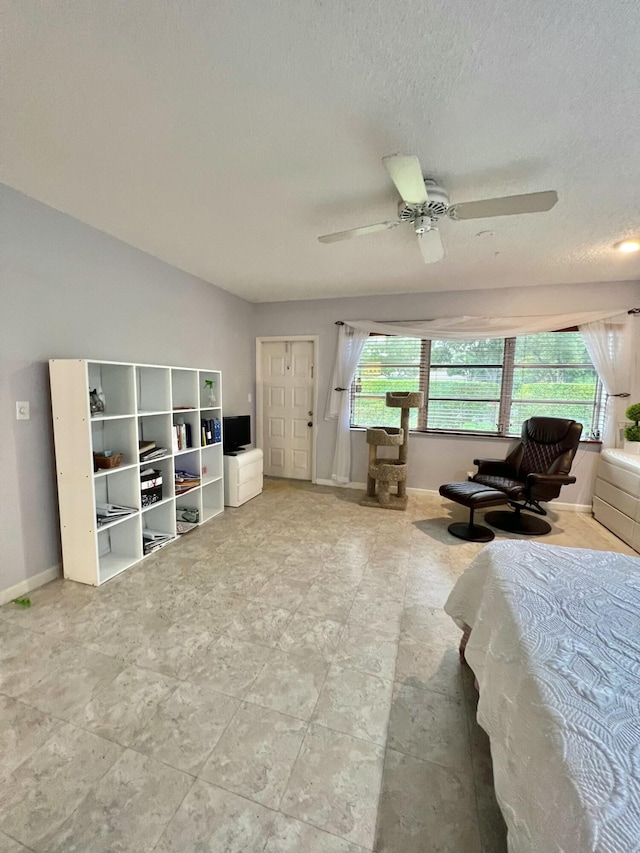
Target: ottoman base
(471, 532)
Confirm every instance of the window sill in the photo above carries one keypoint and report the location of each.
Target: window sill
(471, 435)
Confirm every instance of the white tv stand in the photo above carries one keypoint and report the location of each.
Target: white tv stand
(242, 477)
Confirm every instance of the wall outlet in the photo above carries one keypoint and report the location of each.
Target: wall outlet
(249, 396)
(22, 410)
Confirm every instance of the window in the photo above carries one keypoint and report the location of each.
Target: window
(485, 387)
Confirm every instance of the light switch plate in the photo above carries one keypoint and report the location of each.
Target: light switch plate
(22, 410)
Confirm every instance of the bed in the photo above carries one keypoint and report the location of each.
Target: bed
(554, 644)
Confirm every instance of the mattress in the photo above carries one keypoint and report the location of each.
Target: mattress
(555, 648)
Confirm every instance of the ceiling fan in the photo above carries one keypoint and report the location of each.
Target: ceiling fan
(423, 202)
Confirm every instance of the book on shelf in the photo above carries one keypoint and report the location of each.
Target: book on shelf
(185, 480)
(113, 510)
(182, 438)
(152, 540)
(155, 453)
(144, 446)
(106, 513)
(211, 432)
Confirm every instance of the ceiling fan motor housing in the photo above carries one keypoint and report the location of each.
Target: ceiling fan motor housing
(437, 206)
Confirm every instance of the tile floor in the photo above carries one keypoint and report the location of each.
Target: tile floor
(282, 680)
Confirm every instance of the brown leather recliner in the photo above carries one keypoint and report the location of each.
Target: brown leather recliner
(535, 470)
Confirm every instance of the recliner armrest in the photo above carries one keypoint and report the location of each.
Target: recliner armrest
(550, 480)
(494, 467)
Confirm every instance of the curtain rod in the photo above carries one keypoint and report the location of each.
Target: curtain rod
(630, 311)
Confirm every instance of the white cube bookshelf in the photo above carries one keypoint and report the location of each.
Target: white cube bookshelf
(142, 402)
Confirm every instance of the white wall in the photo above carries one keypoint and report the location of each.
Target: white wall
(436, 459)
(71, 291)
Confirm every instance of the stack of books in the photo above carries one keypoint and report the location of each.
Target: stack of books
(106, 513)
(152, 540)
(185, 481)
(211, 432)
(181, 437)
(149, 451)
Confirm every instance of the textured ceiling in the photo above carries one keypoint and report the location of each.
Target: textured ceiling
(224, 137)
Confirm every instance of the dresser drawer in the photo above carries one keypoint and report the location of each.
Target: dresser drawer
(622, 478)
(617, 522)
(624, 502)
(249, 472)
(249, 490)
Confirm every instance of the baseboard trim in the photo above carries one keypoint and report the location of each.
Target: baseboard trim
(28, 585)
(434, 493)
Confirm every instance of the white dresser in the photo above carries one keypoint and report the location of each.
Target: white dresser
(616, 499)
(243, 477)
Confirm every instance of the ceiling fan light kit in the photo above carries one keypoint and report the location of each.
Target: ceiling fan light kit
(628, 245)
(424, 202)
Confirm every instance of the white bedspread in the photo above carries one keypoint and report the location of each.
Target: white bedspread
(555, 647)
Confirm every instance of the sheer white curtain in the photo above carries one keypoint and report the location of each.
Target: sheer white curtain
(350, 345)
(608, 343)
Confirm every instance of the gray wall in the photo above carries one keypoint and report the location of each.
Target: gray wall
(71, 291)
(437, 459)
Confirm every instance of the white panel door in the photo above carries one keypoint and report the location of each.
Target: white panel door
(287, 408)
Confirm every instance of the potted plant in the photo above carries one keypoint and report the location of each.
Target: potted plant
(211, 389)
(632, 433)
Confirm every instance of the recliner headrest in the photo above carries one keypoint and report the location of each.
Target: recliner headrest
(546, 430)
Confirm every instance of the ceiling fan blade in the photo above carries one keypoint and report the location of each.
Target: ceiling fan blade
(509, 205)
(356, 232)
(431, 246)
(406, 173)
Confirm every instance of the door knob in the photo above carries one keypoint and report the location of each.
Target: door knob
(310, 423)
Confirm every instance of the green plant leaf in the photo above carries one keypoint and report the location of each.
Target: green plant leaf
(632, 433)
(22, 602)
(633, 414)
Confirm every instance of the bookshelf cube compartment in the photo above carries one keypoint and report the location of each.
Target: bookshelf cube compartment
(184, 388)
(209, 434)
(191, 433)
(165, 469)
(118, 436)
(153, 389)
(117, 385)
(118, 487)
(188, 510)
(156, 428)
(210, 397)
(212, 500)
(119, 547)
(211, 463)
(159, 520)
(187, 466)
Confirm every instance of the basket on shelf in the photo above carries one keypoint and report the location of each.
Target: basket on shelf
(101, 461)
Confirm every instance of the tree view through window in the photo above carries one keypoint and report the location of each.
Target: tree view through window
(486, 387)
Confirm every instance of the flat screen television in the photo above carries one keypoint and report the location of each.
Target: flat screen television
(236, 433)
